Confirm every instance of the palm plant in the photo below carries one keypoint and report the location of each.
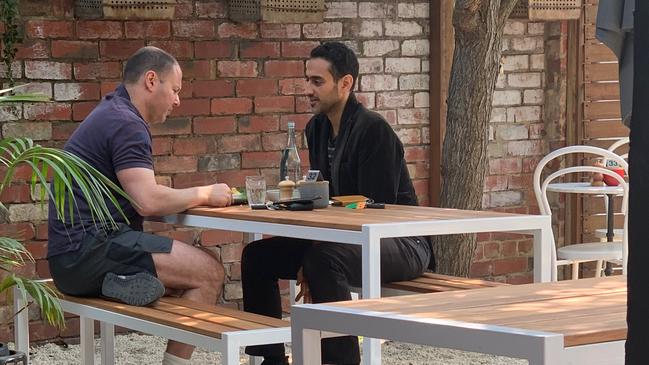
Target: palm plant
(54, 173)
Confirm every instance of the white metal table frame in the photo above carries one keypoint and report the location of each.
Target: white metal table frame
(539, 226)
(311, 322)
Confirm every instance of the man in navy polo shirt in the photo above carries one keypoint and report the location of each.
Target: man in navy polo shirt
(127, 264)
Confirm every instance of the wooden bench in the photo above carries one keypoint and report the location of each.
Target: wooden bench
(435, 283)
(211, 327)
(567, 322)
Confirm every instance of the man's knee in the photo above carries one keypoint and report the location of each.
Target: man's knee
(251, 254)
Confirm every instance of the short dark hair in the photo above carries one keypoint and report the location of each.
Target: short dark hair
(342, 59)
(147, 59)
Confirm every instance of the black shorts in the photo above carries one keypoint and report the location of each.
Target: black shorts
(123, 252)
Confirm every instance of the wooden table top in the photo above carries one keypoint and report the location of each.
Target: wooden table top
(344, 218)
(584, 311)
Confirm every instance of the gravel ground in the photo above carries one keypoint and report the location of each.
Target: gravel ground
(137, 349)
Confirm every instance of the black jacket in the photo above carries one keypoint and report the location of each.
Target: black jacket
(368, 158)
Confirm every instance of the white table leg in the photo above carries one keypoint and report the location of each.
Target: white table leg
(305, 346)
(544, 252)
(250, 237)
(21, 323)
(371, 264)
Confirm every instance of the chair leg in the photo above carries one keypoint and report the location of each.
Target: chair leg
(230, 355)
(575, 270)
(598, 268)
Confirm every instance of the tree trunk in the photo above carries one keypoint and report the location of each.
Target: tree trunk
(478, 37)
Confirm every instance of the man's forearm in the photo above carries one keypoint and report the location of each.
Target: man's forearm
(164, 200)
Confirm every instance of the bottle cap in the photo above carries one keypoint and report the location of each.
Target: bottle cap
(291, 124)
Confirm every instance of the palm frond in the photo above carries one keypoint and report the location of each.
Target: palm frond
(12, 252)
(43, 295)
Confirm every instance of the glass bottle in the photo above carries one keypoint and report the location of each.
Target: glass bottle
(290, 162)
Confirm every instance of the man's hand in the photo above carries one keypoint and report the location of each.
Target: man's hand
(220, 195)
(304, 288)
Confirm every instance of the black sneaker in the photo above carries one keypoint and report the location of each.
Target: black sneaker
(138, 289)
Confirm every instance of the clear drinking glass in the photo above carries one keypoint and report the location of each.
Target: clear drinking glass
(256, 190)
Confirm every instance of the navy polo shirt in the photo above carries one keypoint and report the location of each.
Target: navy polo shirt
(114, 136)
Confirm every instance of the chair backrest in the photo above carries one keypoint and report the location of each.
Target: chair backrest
(544, 207)
(619, 143)
(540, 188)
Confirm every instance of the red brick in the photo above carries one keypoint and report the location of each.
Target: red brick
(193, 28)
(161, 146)
(213, 49)
(179, 49)
(19, 231)
(95, 29)
(509, 248)
(235, 177)
(526, 278)
(491, 250)
(244, 30)
(21, 173)
(259, 159)
(272, 30)
(62, 9)
(213, 88)
(389, 115)
(231, 106)
(214, 125)
(187, 180)
(108, 86)
(235, 271)
(259, 49)
(239, 143)
(266, 104)
(211, 10)
(510, 265)
(303, 105)
(481, 269)
(33, 49)
(256, 87)
(295, 86)
(232, 252)
(75, 49)
(16, 194)
(154, 29)
(215, 237)
(184, 10)
(495, 183)
(184, 235)
(81, 110)
(530, 163)
(97, 70)
(119, 50)
(524, 181)
(505, 166)
(41, 231)
(197, 69)
(191, 146)
(237, 68)
(48, 70)
(39, 331)
(172, 127)
(421, 186)
(37, 249)
(273, 141)
(48, 29)
(298, 49)
(416, 153)
(192, 107)
(63, 131)
(76, 91)
(300, 120)
(47, 111)
(173, 164)
(258, 123)
(284, 68)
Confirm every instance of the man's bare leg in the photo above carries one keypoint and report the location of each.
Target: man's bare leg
(194, 272)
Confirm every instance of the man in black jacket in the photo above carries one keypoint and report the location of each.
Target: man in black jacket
(359, 153)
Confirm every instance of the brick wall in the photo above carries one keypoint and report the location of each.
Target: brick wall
(242, 84)
(528, 119)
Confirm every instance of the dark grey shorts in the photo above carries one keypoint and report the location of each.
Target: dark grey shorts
(123, 252)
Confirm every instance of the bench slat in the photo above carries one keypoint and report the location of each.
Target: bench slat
(249, 317)
(220, 319)
(434, 283)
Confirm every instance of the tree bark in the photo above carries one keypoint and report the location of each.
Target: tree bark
(478, 38)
